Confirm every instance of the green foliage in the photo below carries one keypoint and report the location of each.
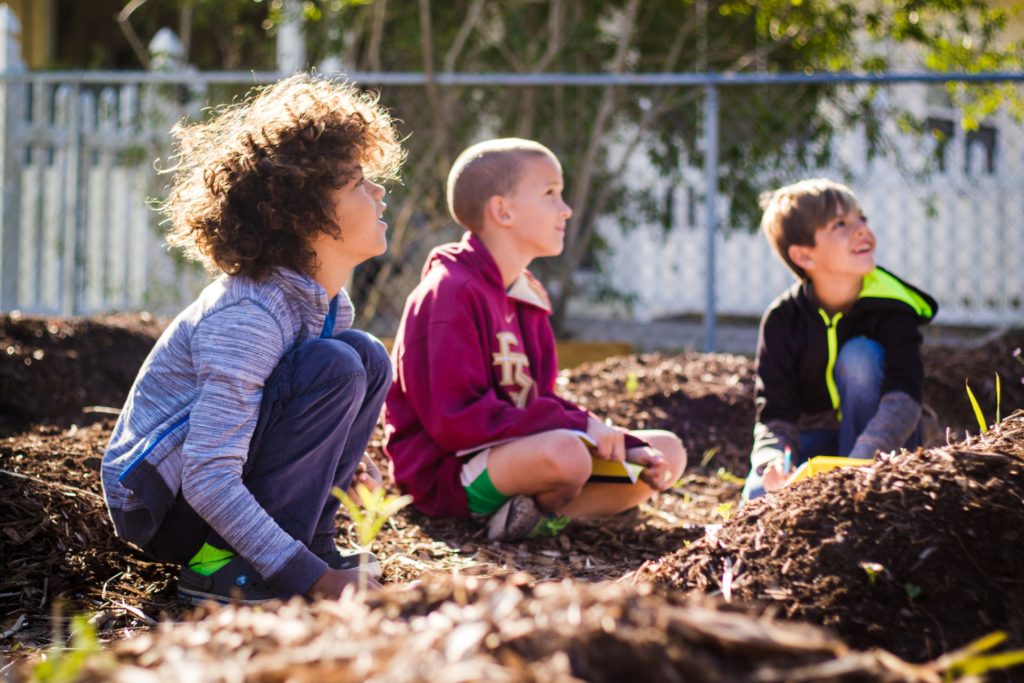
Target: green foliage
(65, 664)
(912, 592)
(977, 409)
(708, 455)
(872, 569)
(378, 506)
(632, 383)
(969, 660)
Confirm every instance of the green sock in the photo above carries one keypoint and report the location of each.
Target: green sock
(209, 559)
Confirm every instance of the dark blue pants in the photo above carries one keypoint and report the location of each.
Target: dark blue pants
(859, 371)
(320, 406)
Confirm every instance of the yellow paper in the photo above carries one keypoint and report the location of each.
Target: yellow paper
(824, 463)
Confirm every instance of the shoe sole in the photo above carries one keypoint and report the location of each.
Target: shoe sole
(198, 598)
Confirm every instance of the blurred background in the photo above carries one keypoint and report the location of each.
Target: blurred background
(670, 118)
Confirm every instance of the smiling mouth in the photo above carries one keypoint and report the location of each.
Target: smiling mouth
(867, 249)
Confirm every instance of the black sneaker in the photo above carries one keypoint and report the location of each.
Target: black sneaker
(236, 582)
(351, 559)
(514, 520)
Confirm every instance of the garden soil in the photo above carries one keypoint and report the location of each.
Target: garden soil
(57, 550)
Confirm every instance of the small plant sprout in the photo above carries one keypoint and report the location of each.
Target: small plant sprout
(912, 592)
(378, 507)
(872, 569)
(999, 400)
(724, 511)
(969, 660)
(977, 409)
(65, 662)
(632, 384)
(728, 476)
(708, 454)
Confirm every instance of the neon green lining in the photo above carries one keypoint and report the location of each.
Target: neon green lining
(209, 559)
(833, 354)
(484, 499)
(881, 285)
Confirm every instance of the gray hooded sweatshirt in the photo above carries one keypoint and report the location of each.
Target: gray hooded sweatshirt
(192, 411)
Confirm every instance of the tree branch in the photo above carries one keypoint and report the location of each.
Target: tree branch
(376, 33)
(472, 17)
(122, 20)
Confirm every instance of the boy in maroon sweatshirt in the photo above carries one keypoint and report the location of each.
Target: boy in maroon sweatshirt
(473, 426)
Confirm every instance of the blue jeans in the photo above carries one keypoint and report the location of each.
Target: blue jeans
(860, 368)
(319, 408)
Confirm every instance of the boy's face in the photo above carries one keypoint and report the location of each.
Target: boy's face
(537, 209)
(844, 247)
(358, 207)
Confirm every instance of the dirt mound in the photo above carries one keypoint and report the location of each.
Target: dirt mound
(52, 368)
(947, 369)
(919, 553)
(503, 630)
(707, 400)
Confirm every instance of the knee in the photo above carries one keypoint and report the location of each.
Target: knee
(671, 446)
(322, 360)
(370, 349)
(566, 459)
(861, 363)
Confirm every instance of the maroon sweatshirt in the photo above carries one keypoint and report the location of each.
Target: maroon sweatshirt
(473, 364)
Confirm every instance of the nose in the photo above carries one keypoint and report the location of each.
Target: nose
(566, 210)
(378, 190)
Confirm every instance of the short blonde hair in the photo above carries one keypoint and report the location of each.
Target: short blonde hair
(792, 214)
(488, 169)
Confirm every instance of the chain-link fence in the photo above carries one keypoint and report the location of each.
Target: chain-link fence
(654, 165)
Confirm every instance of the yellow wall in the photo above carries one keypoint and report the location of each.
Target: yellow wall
(38, 23)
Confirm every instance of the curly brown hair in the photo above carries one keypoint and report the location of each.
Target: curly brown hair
(252, 185)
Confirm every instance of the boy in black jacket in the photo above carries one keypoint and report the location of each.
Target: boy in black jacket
(839, 368)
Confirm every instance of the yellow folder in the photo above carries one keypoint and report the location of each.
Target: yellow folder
(824, 463)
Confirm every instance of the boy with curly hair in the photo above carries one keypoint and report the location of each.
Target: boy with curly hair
(258, 398)
(473, 424)
(839, 369)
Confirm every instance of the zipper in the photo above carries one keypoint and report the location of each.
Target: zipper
(149, 449)
(833, 354)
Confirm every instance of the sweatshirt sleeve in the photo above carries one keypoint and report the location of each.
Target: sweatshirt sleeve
(235, 350)
(901, 337)
(447, 380)
(775, 388)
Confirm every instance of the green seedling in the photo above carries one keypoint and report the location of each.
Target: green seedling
(632, 384)
(708, 454)
(725, 475)
(64, 664)
(378, 506)
(912, 592)
(724, 511)
(872, 569)
(977, 409)
(969, 660)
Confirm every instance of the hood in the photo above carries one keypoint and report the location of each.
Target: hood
(471, 257)
(881, 290)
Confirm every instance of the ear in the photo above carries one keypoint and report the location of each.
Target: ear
(801, 256)
(498, 210)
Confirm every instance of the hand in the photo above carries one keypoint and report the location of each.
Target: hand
(657, 474)
(774, 478)
(333, 581)
(611, 441)
(367, 474)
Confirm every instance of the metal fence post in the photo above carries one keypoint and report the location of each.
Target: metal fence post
(12, 110)
(711, 198)
(70, 289)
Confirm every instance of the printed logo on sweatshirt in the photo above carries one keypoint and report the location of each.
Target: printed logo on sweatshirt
(514, 366)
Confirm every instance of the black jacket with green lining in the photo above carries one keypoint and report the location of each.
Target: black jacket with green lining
(798, 344)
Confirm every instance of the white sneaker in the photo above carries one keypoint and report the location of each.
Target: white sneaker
(514, 520)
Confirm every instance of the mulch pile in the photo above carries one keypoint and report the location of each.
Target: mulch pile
(51, 368)
(462, 629)
(918, 553)
(56, 546)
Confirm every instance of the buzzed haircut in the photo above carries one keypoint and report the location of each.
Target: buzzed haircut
(488, 169)
(792, 214)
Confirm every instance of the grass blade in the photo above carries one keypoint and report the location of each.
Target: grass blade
(999, 400)
(977, 410)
